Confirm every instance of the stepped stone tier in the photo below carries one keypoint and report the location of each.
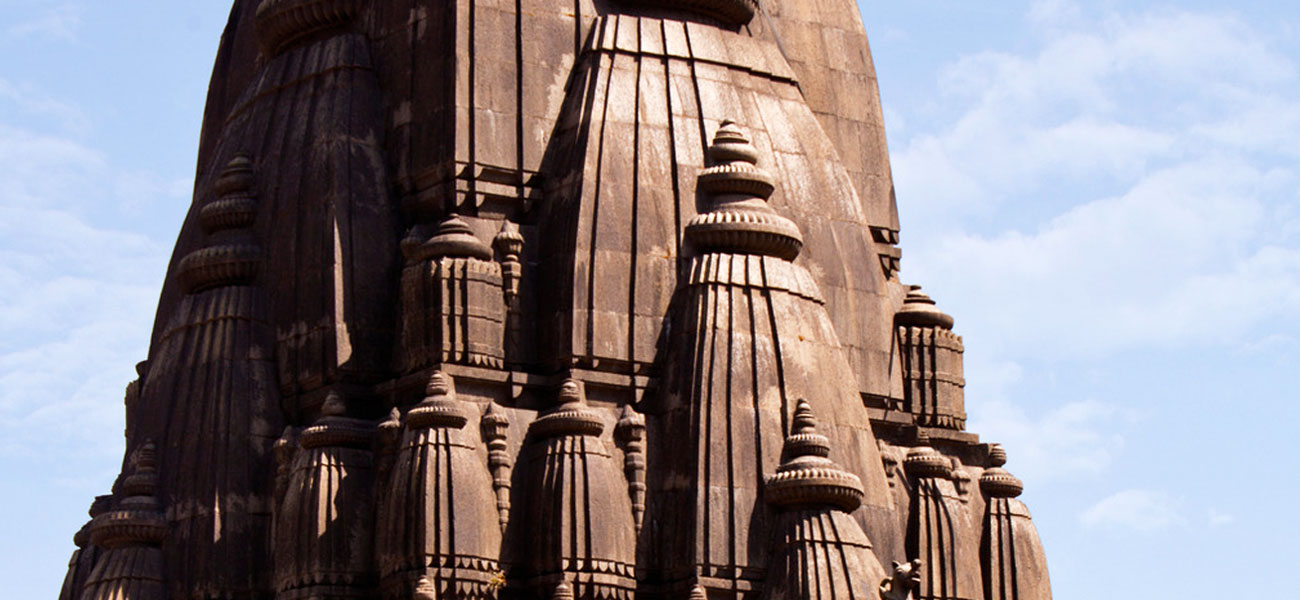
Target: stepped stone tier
(595, 299)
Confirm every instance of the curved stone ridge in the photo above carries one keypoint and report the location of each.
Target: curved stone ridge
(807, 478)
(738, 219)
(730, 12)
(280, 22)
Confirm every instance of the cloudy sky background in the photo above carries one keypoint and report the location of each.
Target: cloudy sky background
(1105, 195)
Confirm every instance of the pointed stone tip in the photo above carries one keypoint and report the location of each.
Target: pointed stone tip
(440, 384)
(997, 455)
(334, 405)
(698, 593)
(425, 589)
(804, 420)
(572, 391)
(562, 591)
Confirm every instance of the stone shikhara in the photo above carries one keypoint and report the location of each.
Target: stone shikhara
(543, 300)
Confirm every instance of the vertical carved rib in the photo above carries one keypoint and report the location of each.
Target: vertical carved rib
(631, 429)
(495, 426)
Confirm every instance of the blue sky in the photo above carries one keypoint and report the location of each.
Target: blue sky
(1105, 195)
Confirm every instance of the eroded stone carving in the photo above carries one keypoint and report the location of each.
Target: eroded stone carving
(412, 222)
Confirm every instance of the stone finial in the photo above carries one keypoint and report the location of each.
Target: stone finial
(452, 238)
(631, 429)
(562, 591)
(570, 415)
(737, 218)
(495, 426)
(997, 455)
(425, 589)
(235, 206)
(807, 477)
(996, 482)
(232, 256)
(924, 461)
(698, 593)
(508, 241)
(919, 310)
(440, 408)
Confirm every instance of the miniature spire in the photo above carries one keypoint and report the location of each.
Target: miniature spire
(1011, 554)
(631, 429)
(131, 536)
(231, 257)
(737, 218)
(919, 310)
(808, 478)
(495, 425)
(452, 238)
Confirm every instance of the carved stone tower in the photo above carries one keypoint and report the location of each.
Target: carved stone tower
(541, 300)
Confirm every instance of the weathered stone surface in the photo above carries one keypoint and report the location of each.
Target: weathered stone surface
(540, 300)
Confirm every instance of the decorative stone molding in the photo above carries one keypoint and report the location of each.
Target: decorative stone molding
(729, 12)
(738, 219)
(281, 22)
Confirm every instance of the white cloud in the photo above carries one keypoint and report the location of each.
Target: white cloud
(1134, 510)
(77, 294)
(1144, 227)
(1079, 437)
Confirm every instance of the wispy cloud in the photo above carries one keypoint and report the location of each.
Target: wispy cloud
(1150, 227)
(1134, 510)
(59, 23)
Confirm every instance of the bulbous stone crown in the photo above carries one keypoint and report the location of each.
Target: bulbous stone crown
(440, 407)
(998, 483)
(280, 22)
(453, 239)
(333, 428)
(919, 310)
(807, 478)
(924, 461)
(738, 219)
(730, 12)
(571, 417)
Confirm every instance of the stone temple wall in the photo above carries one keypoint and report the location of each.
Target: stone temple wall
(536, 299)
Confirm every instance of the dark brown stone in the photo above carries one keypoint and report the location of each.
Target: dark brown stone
(529, 300)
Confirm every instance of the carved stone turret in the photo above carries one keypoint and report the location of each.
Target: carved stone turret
(576, 526)
(822, 553)
(325, 526)
(453, 306)
(1010, 550)
(131, 536)
(439, 521)
(939, 531)
(933, 382)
